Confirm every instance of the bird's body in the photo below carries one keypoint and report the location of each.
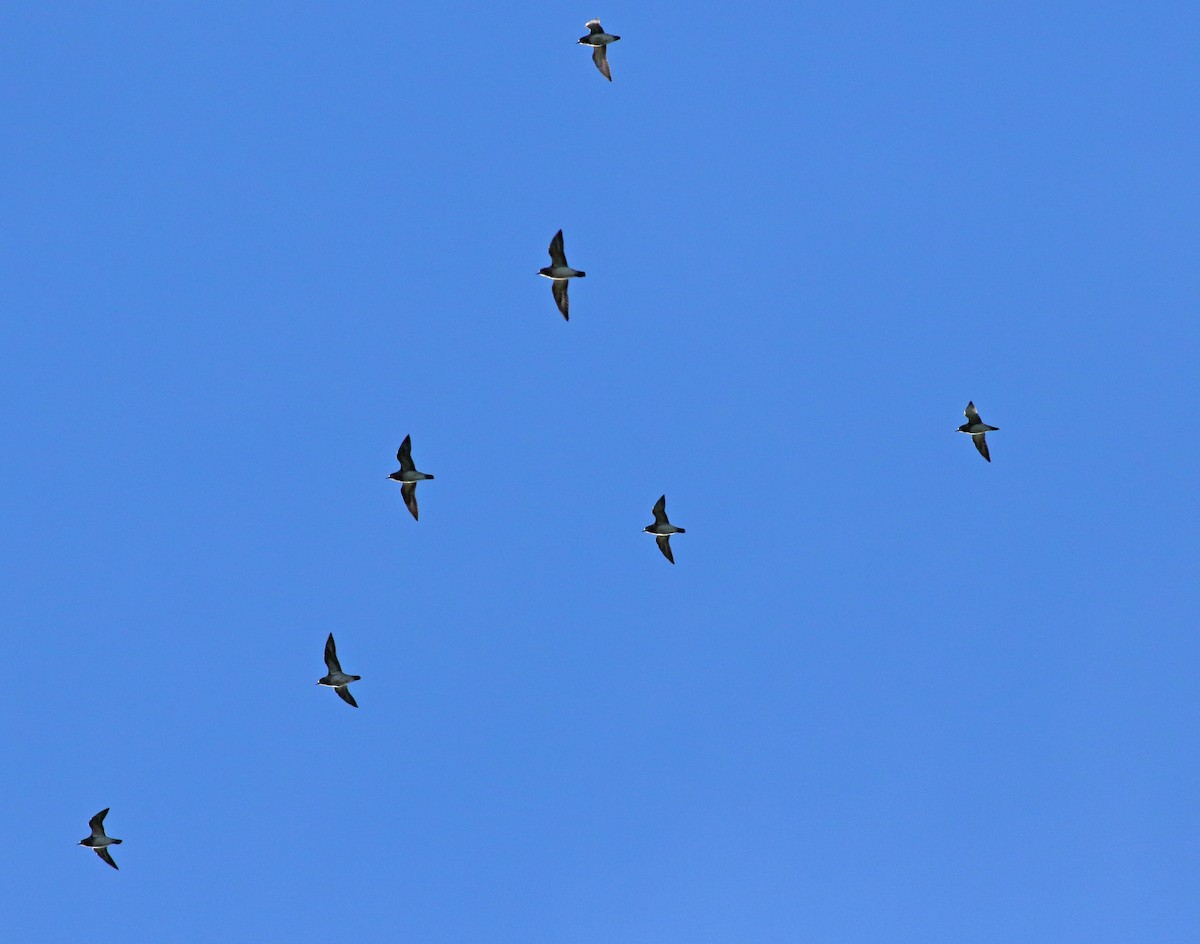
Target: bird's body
(98, 842)
(599, 40)
(408, 476)
(596, 35)
(336, 678)
(558, 271)
(977, 430)
(662, 529)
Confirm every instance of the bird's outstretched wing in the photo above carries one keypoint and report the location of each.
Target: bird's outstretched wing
(558, 255)
(344, 695)
(660, 511)
(409, 492)
(559, 288)
(971, 413)
(331, 659)
(593, 27)
(980, 440)
(600, 57)
(404, 455)
(664, 544)
(96, 823)
(102, 852)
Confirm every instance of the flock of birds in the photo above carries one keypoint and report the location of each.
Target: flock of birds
(408, 476)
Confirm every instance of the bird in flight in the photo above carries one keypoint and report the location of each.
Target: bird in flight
(599, 40)
(408, 476)
(97, 841)
(559, 272)
(662, 529)
(977, 429)
(337, 679)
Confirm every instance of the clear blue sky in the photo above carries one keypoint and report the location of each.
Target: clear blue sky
(888, 693)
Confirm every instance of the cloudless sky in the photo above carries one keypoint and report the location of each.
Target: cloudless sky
(889, 692)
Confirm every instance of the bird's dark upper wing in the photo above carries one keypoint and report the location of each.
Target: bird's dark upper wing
(664, 544)
(559, 288)
(971, 413)
(344, 695)
(404, 455)
(980, 441)
(558, 255)
(97, 822)
(102, 852)
(600, 57)
(409, 491)
(593, 26)
(660, 511)
(331, 660)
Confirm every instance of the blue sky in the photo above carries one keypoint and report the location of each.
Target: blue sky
(889, 692)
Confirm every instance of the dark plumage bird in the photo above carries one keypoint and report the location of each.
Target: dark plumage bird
(662, 529)
(599, 40)
(977, 430)
(559, 272)
(337, 679)
(408, 476)
(97, 841)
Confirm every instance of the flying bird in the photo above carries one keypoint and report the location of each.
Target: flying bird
(559, 271)
(662, 529)
(337, 679)
(408, 476)
(977, 430)
(97, 841)
(599, 40)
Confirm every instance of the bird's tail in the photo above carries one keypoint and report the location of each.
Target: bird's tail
(116, 842)
(355, 678)
(580, 275)
(681, 530)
